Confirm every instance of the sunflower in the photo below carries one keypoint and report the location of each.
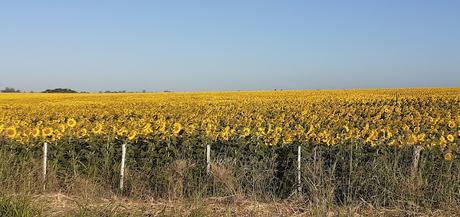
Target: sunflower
(448, 156)
(412, 139)
(177, 128)
(260, 132)
(310, 130)
(450, 138)
(56, 135)
(416, 129)
(210, 128)
(421, 137)
(442, 142)
(97, 129)
(132, 135)
(452, 124)
(36, 132)
(122, 132)
(246, 132)
(71, 123)
(147, 129)
(162, 127)
(62, 128)
(82, 133)
(389, 134)
(11, 132)
(46, 132)
(190, 129)
(225, 134)
(278, 130)
(348, 135)
(392, 142)
(287, 139)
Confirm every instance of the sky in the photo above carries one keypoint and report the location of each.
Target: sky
(229, 45)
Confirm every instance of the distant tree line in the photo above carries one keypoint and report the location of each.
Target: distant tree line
(60, 90)
(67, 90)
(56, 90)
(109, 91)
(10, 90)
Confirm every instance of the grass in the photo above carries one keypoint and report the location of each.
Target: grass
(335, 182)
(62, 205)
(17, 206)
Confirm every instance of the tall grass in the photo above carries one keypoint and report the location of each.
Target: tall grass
(17, 206)
(331, 176)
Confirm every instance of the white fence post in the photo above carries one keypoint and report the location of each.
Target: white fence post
(208, 158)
(122, 170)
(415, 161)
(45, 163)
(299, 180)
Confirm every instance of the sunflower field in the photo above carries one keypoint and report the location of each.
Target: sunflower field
(356, 144)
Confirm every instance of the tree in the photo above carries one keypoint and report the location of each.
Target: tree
(10, 90)
(60, 90)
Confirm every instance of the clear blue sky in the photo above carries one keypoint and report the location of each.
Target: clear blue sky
(229, 45)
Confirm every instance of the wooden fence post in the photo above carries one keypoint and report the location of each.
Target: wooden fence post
(122, 169)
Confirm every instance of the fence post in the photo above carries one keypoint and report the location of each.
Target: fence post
(208, 158)
(299, 180)
(45, 163)
(415, 161)
(122, 170)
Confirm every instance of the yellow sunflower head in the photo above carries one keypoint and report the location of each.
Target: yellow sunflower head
(82, 133)
(11, 132)
(442, 142)
(450, 138)
(177, 128)
(36, 132)
(412, 139)
(416, 129)
(132, 135)
(448, 156)
(246, 132)
(97, 129)
(287, 139)
(162, 127)
(389, 134)
(421, 137)
(452, 124)
(278, 130)
(122, 132)
(62, 128)
(71, 123)
(46, 132)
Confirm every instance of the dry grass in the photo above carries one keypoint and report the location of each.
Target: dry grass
(58, 204)
(224, 180)
(184, 189)
(176, 179)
